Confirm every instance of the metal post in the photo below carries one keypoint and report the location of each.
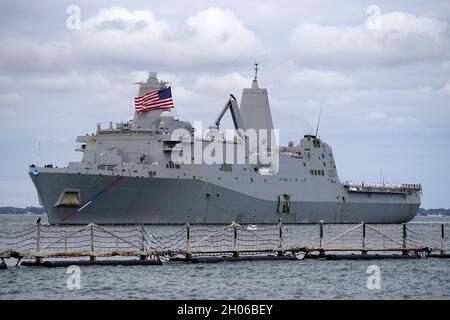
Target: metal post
(280, 237)
(364, 251)
(188, 243)
(235, 243)
(142, 257)
(38, 237)
(404, 238)
(321, 253)
(38, 242)
(65, 242)
(442, 239)
(92, 242)
(142, 238)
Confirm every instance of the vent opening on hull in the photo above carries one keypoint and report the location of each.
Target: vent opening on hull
(69, 198)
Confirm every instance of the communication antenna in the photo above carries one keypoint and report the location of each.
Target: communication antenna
(174, 113)
(318, 121)
(256, 70)
(38, 153)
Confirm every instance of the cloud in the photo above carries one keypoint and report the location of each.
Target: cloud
(119, 19)
(428, 90)
(121, 37)
(404, 120)
(184, 96)
(72, 81)
(223, 84)
(219, 31)
(309, 78)
(377, 116)
(10, 98)
(400, 38)
(445, 89)
(425, 90)
(381, 116)
(25, 55)
(210, 36)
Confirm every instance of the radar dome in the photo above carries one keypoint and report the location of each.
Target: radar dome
(166, 114)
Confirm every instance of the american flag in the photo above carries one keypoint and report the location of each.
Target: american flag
(157, 99)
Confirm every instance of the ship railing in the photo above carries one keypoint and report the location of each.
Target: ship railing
(381, 187)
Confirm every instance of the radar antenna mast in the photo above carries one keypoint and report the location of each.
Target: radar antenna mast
(318, 121)
(38, 152)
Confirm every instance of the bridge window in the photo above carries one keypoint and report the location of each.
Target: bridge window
(172, 165)
(226, 167)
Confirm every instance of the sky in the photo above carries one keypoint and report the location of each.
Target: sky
(380, 69)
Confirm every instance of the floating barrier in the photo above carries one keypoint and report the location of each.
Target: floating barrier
(90, 245)
(216, 259)
(67, 263)
(355, 256)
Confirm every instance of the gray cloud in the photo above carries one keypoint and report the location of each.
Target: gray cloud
(394, 38)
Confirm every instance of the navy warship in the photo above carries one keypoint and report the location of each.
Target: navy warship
(150, 170)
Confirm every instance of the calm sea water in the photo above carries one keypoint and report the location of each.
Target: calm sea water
(302, 279)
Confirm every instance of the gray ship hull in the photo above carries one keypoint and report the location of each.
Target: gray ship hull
(136, 200)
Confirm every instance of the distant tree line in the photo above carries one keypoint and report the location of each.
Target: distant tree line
(427, 212)
(9, 210)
